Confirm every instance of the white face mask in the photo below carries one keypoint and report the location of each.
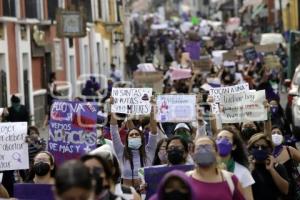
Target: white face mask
(277, 139)
(134, 143)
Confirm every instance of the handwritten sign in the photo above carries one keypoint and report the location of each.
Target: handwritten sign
(149, 80)
(179, 74)
(72, 130)
(154, 175)
(13, 148)
(232, 24)
(216, 93)
(176, 108)
(132, 100)
(244, 106)
(33, 191)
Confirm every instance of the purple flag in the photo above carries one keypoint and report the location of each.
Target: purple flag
(72, 130)
(33, 191)
(193, 47)
(153, 176)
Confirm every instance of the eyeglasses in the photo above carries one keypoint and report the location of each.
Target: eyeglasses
(263, 147)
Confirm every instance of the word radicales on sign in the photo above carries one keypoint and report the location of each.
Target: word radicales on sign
(244, 106)
(72, 130)
(132, 100)
(176, 108)
(13, 146)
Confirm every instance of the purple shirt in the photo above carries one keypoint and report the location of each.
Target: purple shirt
(216, 191)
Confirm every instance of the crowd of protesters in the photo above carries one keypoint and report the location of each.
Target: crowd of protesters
(251, 160)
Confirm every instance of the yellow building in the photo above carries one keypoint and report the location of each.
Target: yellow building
(290, 15)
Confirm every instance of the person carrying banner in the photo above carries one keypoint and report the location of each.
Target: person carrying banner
(135, 153)
(233, 156)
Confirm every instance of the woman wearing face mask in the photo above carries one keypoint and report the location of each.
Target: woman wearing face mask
(102, 175)
(73, 181)
(160, 157)
(248, 129)
(209, 181)
(177, 151)
(43, 169)
(175, 186)
(287, 155)
(233, 155)
(271, 179)
(133, 154)
(278, 117)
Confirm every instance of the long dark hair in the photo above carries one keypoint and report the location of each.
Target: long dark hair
(127, 155)
(156, 160)
(239, 154)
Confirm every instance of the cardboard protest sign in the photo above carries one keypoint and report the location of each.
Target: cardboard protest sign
(33, 191)
(268, 48)
(272, 62)
(250, 53)
(179, 74)
(218, 56)
(229, 56)
(132, 100)
(176, 108)
(13, 146)
(244, 106)
(204, 64)
(154, 175)
(216, 93)
(149, 80)
(72, 129)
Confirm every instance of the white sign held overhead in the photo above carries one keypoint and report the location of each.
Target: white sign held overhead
(13, 146)
(132, 100)
(176, 108)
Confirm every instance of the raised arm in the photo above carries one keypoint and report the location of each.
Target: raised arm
(114, 130)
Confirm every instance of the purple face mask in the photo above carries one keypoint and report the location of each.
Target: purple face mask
(224, 147)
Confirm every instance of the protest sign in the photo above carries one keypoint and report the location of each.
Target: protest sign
(218, 56)
(204, 64)
(268, 48)
(149, 80)
(33, 191)
(216, 93)
(176, 108)
(132, 100)
(229, 56)
(179, 74)
(146, 67)
(272, 62)
(250, 53)
(72, 129)
(244, 106)
(13, 146)
(154, 175)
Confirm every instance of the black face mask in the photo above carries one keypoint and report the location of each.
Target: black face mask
(41, 168)
(247, 133)
(176, 195)
(98, 181)
(175, 156)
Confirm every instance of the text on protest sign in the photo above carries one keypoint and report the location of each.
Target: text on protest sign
(244, 106)
(176, 108)
(72, 130)
(132, 100)
(13, 148)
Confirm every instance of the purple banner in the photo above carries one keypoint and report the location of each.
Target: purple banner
(33, 191)
(193, 47)
(72, 129)
(153, 176)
